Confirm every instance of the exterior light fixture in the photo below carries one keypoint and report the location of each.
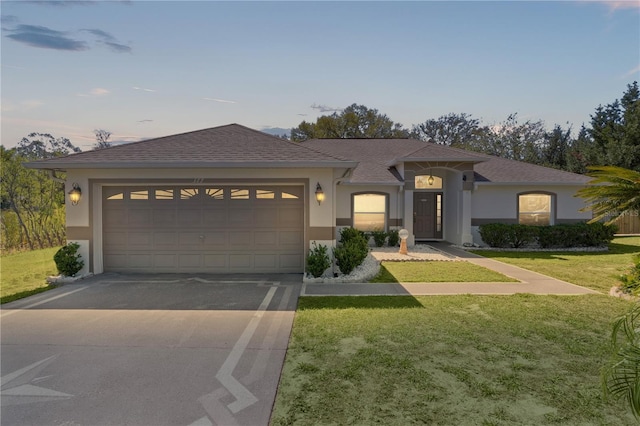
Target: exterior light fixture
(319, 194)
(430, 179)
(75, 194)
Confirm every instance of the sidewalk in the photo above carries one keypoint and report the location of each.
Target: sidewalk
(530, 282)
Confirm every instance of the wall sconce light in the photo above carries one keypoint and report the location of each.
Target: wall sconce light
(319, 194)
(430, 179)
(75, 194)
(464, 178)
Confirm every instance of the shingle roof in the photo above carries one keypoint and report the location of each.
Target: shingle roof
(502, 170)
(225, 146)
(376, 158)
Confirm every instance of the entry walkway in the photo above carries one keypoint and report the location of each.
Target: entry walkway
(530, 282)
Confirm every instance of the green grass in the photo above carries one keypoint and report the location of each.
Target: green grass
(23, 274)
(449, 360)
(598, 271)
(410, 272)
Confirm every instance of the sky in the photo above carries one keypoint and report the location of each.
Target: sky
(143, 69)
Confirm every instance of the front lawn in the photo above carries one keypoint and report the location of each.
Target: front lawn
(598, 271)
(436, 271)
(449, 360)
(23, 274)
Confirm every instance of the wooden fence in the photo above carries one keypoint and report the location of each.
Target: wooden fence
(628, 224)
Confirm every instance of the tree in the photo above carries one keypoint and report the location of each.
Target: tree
(102, 139)
(556, 147)
(456, 130)
(581, 154)
(37, 146)
(513, 140)
(615, 131)
(355, 121)
(614, 191)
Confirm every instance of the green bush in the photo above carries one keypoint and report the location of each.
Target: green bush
(68, 260)
(521, 235)
(495, 234)
(576, 235)
(631, 280)
(318, 260)
(554, 236)
(352, 252)
(347, 234)
(379, 237)
(394, 238)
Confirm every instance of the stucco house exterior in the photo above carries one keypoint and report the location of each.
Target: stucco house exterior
(233, 199)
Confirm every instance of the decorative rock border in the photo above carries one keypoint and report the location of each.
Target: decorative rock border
(63, 279)
(616, 292)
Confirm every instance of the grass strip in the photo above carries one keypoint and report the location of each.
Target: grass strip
(436, 271)
(23, 274)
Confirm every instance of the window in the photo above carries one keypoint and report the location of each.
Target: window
(422, 182)
(369, 211)
(239, 194)
(534, 209)
(215, 193)
(164, 194)
(139, 195)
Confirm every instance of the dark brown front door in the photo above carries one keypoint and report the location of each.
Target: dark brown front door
(427, 215)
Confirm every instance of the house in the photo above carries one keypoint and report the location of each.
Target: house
(233, 199)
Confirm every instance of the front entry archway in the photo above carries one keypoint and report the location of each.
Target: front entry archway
(427, 215)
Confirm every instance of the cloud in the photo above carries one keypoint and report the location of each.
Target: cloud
(146, 120)
(624, 4)
(22, 106)
(46, 38)
(325, 108)
(8, 19)
(98, 91)
(224, 101)
(62, 3)
(143, 89)
(109, 40)
(636, 70)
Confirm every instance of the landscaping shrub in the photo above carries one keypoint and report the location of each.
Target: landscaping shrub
(394, 238)
(576, 235)
(318, 260)
(631, 281)
(347, 234)
(379, 237)
(495, 234)
(521, 235)
(352, 252)
(68, 260)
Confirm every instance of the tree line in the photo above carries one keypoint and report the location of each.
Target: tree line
(611, 139)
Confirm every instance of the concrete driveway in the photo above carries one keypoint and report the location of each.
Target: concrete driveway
(147, 350)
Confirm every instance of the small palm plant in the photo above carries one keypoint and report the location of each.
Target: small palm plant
(621, 378)
(613, 191)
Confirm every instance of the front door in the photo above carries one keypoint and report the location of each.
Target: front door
(427, 215)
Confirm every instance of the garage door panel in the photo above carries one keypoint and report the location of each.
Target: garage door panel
(240, 261)
(188, 218)
(192, 230)
(266, 261)
(290, 262)
(266, 238)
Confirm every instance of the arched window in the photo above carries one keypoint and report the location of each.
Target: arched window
(370, 211)
(428, 182)
(536, 208)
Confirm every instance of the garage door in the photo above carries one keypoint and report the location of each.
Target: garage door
(203, 229)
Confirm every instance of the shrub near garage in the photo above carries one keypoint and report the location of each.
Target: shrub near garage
(318, 260)
(68, 260)
(352, 252)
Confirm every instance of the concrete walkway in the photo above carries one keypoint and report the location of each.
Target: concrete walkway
(530, 282)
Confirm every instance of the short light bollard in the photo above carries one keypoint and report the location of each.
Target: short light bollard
(403, 234)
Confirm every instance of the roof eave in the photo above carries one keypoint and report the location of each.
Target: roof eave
(530, 183)
(57, 165)
(434, 160)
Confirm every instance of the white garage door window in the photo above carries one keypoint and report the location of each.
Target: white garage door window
(203, 229)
